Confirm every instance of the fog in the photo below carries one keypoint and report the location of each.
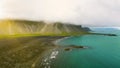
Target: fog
(86, 12)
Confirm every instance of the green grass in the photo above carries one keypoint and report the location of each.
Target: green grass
(29, 35)
(22, 52)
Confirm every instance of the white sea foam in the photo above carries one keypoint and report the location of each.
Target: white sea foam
(54, 54)
(59, 40)
(47, 61)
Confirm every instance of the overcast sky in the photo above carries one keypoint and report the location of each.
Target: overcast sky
(85, 12)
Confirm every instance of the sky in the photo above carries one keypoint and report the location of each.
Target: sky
(85, 12)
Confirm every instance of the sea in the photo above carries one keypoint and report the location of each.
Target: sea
(101, 52)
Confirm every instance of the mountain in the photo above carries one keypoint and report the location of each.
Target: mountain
(15, 27)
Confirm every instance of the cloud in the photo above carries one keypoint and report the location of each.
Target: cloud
(85, 12)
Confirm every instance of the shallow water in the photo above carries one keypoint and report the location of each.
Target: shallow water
(103, 52)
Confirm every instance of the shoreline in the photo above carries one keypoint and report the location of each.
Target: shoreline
(58, 40)
(25, 51)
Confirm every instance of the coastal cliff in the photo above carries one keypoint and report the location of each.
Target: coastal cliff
(18, 27)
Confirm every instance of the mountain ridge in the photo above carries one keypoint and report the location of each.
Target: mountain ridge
(13, 27)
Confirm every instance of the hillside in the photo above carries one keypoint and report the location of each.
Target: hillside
(19, 27)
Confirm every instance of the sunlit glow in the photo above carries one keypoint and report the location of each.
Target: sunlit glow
(1, 9)
(1, 12)
(84, 12)
(56, 9)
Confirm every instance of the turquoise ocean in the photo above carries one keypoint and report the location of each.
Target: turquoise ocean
(102, 51)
